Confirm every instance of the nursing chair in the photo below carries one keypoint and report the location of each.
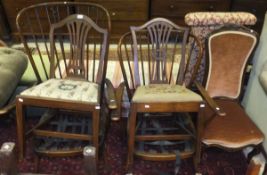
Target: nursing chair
(226, 124)
(70, 69)
(154, 58)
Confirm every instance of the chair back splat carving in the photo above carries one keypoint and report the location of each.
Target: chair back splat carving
(158, 52)
(36, 41)
(77, 63)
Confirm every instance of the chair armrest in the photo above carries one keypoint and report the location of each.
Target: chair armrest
(209, 100)
(2, 44)
(110, 95)
(7, 108)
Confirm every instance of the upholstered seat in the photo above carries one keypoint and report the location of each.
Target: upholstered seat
(164, 93)
(240, 132)
(65, 89)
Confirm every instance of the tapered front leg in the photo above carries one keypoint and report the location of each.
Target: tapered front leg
(20, 118)
(131, 136)
(199, 126)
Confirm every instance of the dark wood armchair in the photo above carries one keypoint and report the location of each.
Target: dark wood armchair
(158, 71)
(226, 124)
(70, 64)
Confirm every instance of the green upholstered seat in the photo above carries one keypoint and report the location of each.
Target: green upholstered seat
(13, 63)
(164, 93)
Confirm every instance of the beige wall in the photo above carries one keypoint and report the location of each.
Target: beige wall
(255, 99)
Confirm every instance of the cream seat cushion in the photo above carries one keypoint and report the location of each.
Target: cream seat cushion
(154, 93)
(65, 89)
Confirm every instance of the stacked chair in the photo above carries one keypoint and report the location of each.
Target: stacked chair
(69, 63)
(155, 61)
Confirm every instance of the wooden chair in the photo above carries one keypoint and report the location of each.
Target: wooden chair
(157, 69)
(226, 124)
(75, 53)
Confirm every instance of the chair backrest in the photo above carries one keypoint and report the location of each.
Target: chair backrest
(203, 23)
(34, 23)
(229, 49)
(71, 53)
(158, 52)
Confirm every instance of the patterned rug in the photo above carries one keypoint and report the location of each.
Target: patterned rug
(214, 161)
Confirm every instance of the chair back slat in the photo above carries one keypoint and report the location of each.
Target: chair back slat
(34, 23)
(158, 52)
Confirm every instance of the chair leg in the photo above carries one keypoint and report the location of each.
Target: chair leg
(8, 159)
(199, 131)
(95, 130)
(89, 160)
(131, 136)
(37, 162)
(20, 128)
(116, 114)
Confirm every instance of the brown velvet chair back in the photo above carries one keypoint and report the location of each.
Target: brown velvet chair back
(229, 50)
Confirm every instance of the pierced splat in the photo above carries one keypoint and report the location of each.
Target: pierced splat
(164, 42)
(78, 28)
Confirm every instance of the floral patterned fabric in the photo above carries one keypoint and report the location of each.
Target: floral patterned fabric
(72, 90)
(164, 93)
(217, 18)
(202, 23)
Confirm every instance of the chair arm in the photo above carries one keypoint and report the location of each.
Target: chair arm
(110, 95)
(7, 108)
(209, 100)
(2, 44)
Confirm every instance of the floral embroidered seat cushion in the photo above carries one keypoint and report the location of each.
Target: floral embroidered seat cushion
(64, 89)
(164, 93)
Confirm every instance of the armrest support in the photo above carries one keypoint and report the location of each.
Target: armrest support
(209, 100)
(110, 95)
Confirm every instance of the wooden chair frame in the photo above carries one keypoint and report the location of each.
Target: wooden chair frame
(212, 97)
(159, 107)
(73, 72)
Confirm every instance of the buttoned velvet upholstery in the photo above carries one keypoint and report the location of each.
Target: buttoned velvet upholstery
(13, 63)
